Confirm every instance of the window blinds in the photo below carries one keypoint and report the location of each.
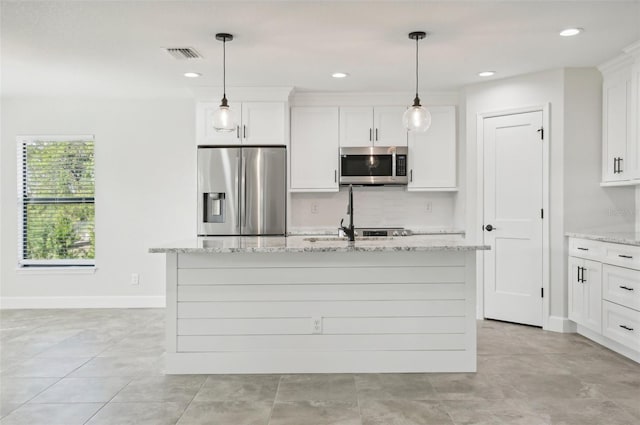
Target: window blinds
(56, 187)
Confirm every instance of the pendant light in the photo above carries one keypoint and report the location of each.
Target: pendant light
(223, 121)
(417, 118)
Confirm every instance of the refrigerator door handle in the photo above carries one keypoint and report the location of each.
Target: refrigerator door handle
(244, 191)
(238, 165)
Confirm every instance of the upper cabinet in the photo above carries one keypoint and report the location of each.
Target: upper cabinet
(314, 149)
(432, 154)
(372, 126)
(621, 119)
(257, 123)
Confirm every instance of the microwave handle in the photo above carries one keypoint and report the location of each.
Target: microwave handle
(393, 164)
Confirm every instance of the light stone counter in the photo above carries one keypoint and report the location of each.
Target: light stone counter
(318, 243)
(627, 238)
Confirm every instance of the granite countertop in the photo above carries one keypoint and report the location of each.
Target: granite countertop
(305, 243)
(627, 238)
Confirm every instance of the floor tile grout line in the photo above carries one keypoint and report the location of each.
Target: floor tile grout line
(131, 378)
(275, 398)
(192, 398)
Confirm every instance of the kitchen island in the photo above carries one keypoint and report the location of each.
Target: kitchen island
(302, 304)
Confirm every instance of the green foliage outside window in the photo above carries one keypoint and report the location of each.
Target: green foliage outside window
(58, 200)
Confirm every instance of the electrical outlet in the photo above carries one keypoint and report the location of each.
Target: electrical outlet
(429, 208)
(135, 279)
(316, 325)
(314, 208)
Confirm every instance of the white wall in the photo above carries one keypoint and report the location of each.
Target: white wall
(570, 132)
(145, 195)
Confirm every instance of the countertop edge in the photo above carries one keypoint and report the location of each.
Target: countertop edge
(317, 249)
(625, 240)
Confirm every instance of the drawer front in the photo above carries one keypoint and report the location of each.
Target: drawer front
(622, 255)
(621, 324)
(621, 286)
(584, 248)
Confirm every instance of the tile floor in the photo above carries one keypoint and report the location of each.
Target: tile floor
(94, 367)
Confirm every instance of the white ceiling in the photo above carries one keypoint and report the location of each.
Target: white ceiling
(113, 48)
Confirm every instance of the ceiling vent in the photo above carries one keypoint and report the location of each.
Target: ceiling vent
(182, 53)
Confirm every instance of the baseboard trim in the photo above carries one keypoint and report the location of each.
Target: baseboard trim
(560, 324)
(9, 303)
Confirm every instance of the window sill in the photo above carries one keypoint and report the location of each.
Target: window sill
(57, 270)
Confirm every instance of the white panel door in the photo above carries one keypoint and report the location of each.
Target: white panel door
(263, 123)
(314, 149)
(356, 126)
(206, 135)
(512, 218)
(432, 154)
(388, 128)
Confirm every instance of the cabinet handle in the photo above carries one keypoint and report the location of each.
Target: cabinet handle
(376, 134)
(370, 135)
(244, 131)
(625, 287)
(625, 256)
(626, 327)
(238, 131)
(335, 176)
(410, 175)
(615, 165)
(583, 249)
(619, 165)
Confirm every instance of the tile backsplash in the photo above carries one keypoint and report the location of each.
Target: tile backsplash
(374, 207)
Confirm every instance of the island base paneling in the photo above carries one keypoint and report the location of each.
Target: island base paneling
(321, 312)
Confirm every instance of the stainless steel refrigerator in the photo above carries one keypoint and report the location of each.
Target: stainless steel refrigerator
(242, 190)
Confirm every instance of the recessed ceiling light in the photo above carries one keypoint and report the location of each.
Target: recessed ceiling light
(339, 75)
(486, 73)
(192, 74)
(570, 32)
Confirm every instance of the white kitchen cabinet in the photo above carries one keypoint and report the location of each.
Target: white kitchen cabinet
(585, 293)
(372, 126)
(432, 154)
(604, 299)
(314, 149)
(618, 160)
(257, 123)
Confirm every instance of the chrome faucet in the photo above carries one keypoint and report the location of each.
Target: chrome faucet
(349, 231)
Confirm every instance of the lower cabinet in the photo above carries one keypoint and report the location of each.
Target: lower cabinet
(585, 293)
(604, 293)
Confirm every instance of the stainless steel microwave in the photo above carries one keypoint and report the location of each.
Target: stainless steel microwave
(375, 165)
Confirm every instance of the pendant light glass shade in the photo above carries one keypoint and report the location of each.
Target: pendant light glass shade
(417, 118)
(223, 117)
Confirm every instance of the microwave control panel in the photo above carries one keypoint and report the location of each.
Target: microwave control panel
(401, 165)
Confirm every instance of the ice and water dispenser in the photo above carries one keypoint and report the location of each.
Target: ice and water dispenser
(213, 207)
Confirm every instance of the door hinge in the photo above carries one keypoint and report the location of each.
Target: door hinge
(541, 292)
(541, 131)
(541, 212)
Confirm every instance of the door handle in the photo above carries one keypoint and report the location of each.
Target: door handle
(619, 165)
(238, 131)
(626, 288)
(583, 249)
(615, 165)
(625, 256)
(584, 269)
(244, 131)
(489, 228)
(626, 327)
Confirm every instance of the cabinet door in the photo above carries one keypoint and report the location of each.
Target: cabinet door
(635, 117)
(592, 292)
(263, 123)
(388, 129)
(206, 135)
(576, 289)
(356, 126)
(314, 149)
(432, 154)
(617, 164)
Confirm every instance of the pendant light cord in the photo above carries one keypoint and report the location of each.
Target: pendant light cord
(417, 39)
(224, 68)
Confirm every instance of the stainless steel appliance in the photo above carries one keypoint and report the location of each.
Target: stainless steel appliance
(242, 190)
(376, 165)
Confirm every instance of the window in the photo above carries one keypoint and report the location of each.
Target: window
(56, 189)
